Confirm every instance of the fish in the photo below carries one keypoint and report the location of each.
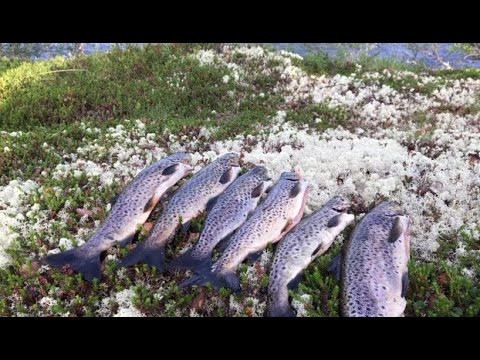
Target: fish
(228, 214)
(309, 239)
(273, 218)
(373, 267)
(131, 208)
(197, 195)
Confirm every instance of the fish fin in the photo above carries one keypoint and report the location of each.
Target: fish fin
(227, 176)
(278, 304)
(222, 245)
(229, 280)
(127, 240)
(150, 203)
(186, 226)
(211, 203)
(288, 226)
(187, 261)
(405, 282)
(79, 260)
(276, 310)
(335, 266)
(293, 284)
(153, 255)
(253, 257)
(396, 232)
(334, 221)
(169, 170)
(295, 190)
(316, 252)
(257, 191)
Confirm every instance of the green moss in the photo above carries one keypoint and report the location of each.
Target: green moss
(440, 289)
(319, 63)
(158, 82)
(319, 116)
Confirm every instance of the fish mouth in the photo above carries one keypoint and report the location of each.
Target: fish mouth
(260, 170)
(181, 157)
(395, 213)
(188, 168)
(291, 176)
(232, 159)
(186, 161)
(390, 209)
(340, 204)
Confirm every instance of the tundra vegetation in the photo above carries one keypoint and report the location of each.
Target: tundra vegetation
(74, 131)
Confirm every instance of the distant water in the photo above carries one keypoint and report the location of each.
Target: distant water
(409, 53)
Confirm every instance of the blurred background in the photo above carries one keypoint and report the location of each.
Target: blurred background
(429, 55)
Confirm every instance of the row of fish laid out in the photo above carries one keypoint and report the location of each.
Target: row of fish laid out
(372, 268)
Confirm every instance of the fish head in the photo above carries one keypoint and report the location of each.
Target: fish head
(337, 208)
(181, 157)
(229, 159)
(296, 191)
(261, 173)
(338, 204)
(229, 163)
(178, 165)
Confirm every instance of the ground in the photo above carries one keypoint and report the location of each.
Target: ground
(75, 131)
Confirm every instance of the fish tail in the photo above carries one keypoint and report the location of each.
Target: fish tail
(86, 263)
(278, 305)
(227, 280)
(188, 261)
(145, 253)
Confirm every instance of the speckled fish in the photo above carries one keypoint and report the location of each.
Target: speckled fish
(229, 212)
(373, 267)
(281, 210)
(132, 208)
(312, 237)
(193, 198)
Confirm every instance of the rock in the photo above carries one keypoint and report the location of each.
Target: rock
(84, 212)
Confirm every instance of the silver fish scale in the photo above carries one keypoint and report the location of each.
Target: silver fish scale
(301, 246)
(204, 186)
(230, 211)
(301, 241)
(275, 208)
(372, 264)
(132, 200)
